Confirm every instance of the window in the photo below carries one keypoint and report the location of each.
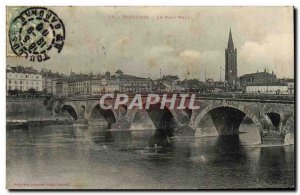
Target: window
(9, 81)
(21, 82)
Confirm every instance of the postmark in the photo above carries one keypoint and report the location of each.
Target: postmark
(35, 32)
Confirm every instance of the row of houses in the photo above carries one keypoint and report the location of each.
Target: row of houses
(254, 83)
(258, 83)
(101, 83)
(265, 82)
(24, 78)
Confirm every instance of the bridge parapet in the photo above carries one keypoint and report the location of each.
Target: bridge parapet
(234, 96)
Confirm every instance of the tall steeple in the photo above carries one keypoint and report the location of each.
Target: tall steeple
(230, 61)
(230, 41)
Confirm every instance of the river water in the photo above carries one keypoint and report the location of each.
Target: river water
(88, 157)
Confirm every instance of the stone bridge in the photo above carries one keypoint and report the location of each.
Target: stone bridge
(274, 118)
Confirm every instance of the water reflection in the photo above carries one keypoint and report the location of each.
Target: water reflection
(104, 158)
(273, 165)
(229, 150)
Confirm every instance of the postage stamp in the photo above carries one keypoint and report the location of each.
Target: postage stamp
(34, 32)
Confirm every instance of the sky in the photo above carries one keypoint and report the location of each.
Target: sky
(183, 41)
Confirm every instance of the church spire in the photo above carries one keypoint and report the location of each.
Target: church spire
(230, 41)
(230, 61)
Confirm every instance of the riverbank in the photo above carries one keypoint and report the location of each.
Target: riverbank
(25, 124)
(27, 110)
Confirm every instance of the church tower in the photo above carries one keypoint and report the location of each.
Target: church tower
(230, 61)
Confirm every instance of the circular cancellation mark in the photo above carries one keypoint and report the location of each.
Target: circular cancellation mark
(34, 32)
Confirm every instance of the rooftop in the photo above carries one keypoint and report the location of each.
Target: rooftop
(22, 69)
(257, 73)
(131, 77)
(170, 77)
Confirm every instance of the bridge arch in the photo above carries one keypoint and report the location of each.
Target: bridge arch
(275, 118)
(164, 120)
(71, 109)
(237, 114)
(109, 115)
(136, 110)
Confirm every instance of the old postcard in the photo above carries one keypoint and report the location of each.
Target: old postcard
(150, 98)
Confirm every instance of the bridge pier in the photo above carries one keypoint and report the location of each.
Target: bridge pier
(272, 137)
(275, 129)
(121, 124)
(184, 130)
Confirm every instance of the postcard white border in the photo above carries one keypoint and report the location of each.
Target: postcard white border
(5, 3)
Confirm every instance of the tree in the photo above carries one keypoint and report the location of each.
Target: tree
(32, 91)
(13, 92)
